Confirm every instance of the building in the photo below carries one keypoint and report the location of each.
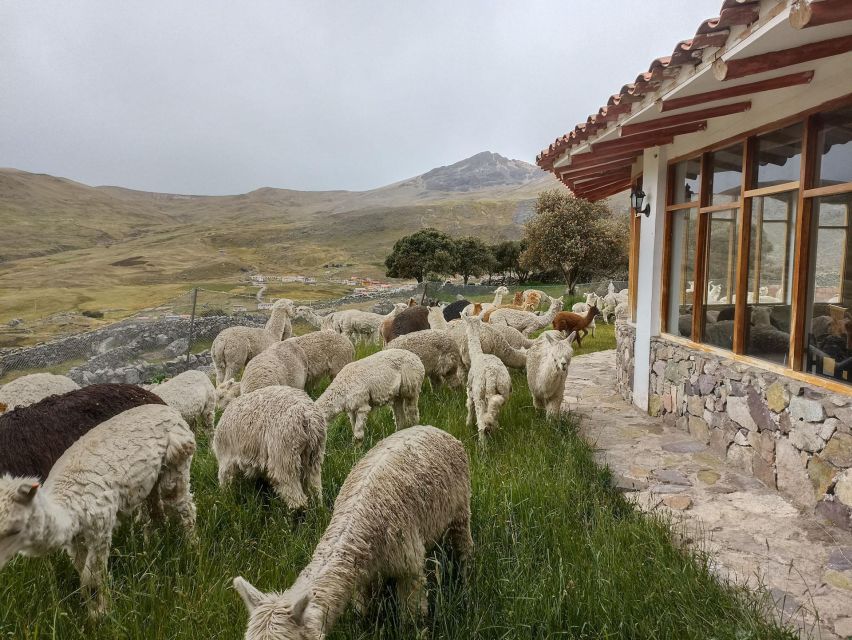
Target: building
(739, 146)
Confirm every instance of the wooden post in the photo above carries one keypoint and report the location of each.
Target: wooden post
(191, 324)
(741, 325)
(701, 252)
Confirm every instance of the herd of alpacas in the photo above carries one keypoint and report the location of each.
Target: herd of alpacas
(73, 460)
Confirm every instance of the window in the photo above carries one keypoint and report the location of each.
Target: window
(681, 284)
(764, 238)
(777, 157)
(829, 334)
(720, 279)
(770, 272)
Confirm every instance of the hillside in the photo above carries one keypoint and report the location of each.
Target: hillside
(70, 246)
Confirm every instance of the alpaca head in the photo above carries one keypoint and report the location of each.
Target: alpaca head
(594, 310)
(561, 351)
(503, 291)
(226, 392)
(275, 616)
(16, 509)
(284, 303)
(302, 312)
(400, 306)
(411, 302)
(436, 318)
(556, 304)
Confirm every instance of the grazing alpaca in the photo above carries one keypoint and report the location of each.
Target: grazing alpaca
(235, 346)
(568, 322)
(407, 321)
(499, 292)
(310, 316)
(27, 390)
(525, 321)
(411, 490)
(488, 382)
(582, 307)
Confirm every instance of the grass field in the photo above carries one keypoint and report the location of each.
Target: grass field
(559, 553)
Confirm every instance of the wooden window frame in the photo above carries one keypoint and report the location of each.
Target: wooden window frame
(806, 192)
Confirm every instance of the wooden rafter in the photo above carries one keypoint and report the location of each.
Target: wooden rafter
(733, 69)
(806, 13)
(649, 138)
(595, 171)
(790, 80)
(588, 160)
(685, 118)
(605, 192)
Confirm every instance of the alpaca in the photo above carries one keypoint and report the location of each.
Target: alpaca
(407, 321)
(141, 455)
(192, 394)
(407, 493)
(583, 307)
(569, 322)
(392, 376)
(453, 310)
(439, 354)
(534, 297)
(488, 382)
(525, 321)
(235, 346)
(326, 353)
(33, 438)
(499, 292)
(310, 316)
(284, 363)
(279, 433)
(27, 390)
(547, 370)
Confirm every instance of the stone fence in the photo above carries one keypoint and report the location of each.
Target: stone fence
(790, 435)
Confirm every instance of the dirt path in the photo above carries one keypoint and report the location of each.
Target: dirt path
(755, 534)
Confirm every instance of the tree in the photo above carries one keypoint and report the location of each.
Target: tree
(579, 238)
(424, 252)
(508, 255)
(472, 258)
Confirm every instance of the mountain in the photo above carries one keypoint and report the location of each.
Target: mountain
(68, 246)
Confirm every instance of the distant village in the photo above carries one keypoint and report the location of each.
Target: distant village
(360, 285)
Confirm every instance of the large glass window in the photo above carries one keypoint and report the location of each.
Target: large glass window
(681, 289)
(770, 272)
(829, 335)
(687, 181)
(778, 157)
(721, 275)
(834, 162)
(727, 175)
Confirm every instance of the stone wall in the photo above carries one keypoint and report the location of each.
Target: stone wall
(790, 435)
(625, 342)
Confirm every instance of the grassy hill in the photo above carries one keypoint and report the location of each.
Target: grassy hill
(73, 247)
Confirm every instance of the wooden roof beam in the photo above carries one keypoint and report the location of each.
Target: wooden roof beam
(649, 138)
(809, 13)
(605, 192)
(781, 82)
(684, 118)
(600, 170)
(743, 67)
(609, 176)
(588, 160)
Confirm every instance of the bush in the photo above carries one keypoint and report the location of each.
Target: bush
(93, 314)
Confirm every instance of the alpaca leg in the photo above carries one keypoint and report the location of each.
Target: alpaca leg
(154, 505)
(93, 576)
(174, 490)
(492, 411)
(459, 538)
(412, 410)
(313, 476)
(359, 423)
(399, 418)
(470, 408)
(286, 475)
(77, 552)
(228, 471)
(411, 586)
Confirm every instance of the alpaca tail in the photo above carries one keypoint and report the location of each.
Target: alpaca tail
(180, 444)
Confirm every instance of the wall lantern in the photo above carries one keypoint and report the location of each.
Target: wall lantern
(637, 196)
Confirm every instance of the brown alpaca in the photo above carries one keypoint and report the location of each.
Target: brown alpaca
(516, 307)
(568, 321)
(519, 299)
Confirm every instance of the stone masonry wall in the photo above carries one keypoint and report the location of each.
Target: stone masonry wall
(625, 342)
(790, 435)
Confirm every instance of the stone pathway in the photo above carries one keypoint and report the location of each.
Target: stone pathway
(755, 534)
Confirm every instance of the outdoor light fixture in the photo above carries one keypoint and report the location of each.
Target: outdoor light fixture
(637, 196)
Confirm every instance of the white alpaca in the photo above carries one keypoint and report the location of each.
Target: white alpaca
(513, 337)
(235, 346)
(192, 394)
(506, 342)
(363, 325)
(499, 293)
(525, 321)
(583, 307)
(226, 392)
(30, 389)
(140, 456)
(607, 306)
(439, 354)
(534, 297)
(547, 370)
(310, 316)
(392, 376)
(326, 353)
(278, 433)
(411, 490)
(284, 363)
(488, 383)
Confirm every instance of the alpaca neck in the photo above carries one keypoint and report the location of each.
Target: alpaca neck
(50, 526)
(474, 345)
(547, 318)
(331, 402)
(275, 324)
(331, 579)
(498, 299)
(313, 318)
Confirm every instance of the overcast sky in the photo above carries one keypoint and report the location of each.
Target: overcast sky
(221, 97)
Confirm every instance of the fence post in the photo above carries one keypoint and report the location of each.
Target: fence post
(191, 325)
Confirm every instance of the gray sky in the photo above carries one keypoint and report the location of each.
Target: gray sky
(223, 97)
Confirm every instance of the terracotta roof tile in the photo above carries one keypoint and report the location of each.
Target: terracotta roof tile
(710, 33)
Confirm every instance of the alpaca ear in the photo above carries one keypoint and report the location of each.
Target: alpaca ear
(571, 337)
(550, 338)
(26, 492)
(298, 612)
(251, 596)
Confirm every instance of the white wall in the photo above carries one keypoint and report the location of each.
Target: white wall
(650, 267)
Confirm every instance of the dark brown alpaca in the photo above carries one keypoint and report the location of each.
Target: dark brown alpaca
(568, 321)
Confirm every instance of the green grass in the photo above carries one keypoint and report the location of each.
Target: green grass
(559, 553)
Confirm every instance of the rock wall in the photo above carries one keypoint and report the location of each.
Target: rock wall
(790, 435)
(625, 343)
(140, 372)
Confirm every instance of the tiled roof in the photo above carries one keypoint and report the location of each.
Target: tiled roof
(710, 33)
